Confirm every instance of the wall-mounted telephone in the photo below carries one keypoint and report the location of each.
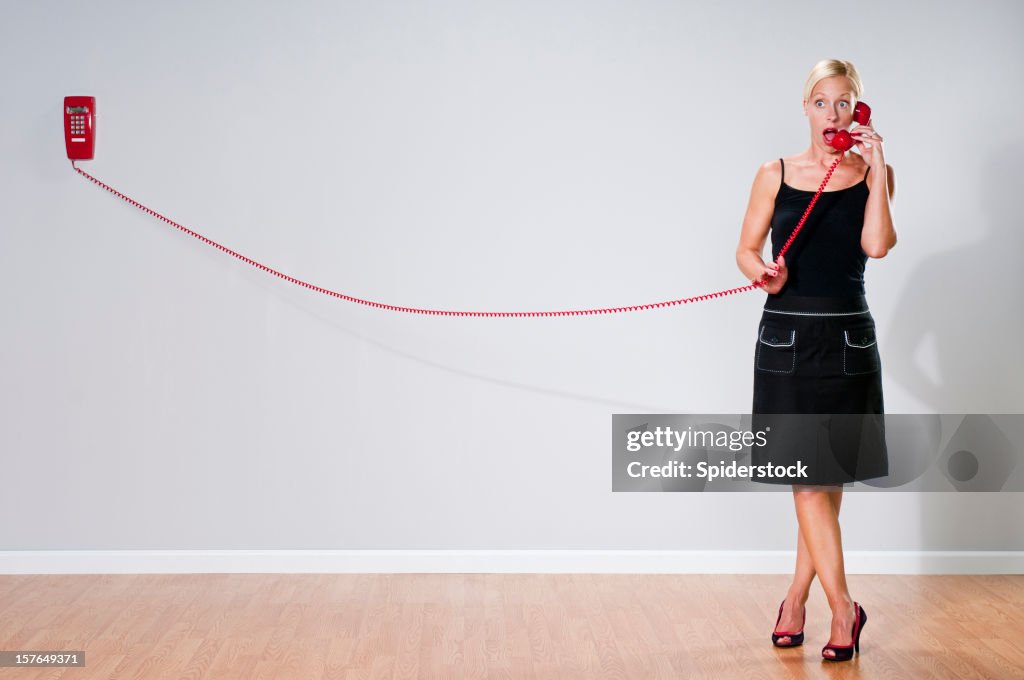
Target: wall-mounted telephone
(842, 139)
(80, 127)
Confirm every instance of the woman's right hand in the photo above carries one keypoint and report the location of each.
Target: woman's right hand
(774, 276)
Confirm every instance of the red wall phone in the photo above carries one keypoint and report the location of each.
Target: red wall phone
(80, 127)
(842, 139)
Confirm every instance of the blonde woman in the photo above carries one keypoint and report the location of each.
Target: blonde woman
(816, 351)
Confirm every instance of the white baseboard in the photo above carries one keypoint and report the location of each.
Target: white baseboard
(493, 561)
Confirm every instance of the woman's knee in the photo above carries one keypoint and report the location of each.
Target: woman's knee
(816, 495)
(805, 489)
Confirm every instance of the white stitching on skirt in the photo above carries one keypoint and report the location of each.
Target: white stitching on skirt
(792, 339)
(775, 311)
(757, 358)
(846, 335)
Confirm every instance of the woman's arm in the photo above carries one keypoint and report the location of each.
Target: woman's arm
(756, 224)
(879, 233)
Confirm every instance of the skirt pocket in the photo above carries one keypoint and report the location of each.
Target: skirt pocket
(860, 351)
(776, 349)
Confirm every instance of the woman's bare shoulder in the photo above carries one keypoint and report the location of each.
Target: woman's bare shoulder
(771, 167)
(768, 178)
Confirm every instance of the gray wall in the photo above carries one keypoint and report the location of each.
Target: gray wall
(159, 394)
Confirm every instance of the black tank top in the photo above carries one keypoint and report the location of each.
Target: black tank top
(826, 259)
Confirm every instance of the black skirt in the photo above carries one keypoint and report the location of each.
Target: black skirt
(818, 388)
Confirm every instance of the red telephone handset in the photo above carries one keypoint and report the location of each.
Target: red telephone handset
(80, 127)
(842, 139)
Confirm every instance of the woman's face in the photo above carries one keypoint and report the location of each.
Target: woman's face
(830, 108)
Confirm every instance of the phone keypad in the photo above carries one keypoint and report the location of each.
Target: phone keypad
(78, 125)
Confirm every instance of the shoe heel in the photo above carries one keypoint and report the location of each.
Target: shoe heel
(863, 620)
(845, 652)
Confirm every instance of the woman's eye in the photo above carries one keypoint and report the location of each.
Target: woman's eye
(819, 103)
(844, 104)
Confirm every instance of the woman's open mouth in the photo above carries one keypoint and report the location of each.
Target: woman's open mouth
(829, 133)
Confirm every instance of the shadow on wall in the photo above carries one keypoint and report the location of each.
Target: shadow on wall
(962, 305)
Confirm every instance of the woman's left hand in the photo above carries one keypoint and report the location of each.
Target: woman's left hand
(871, 151)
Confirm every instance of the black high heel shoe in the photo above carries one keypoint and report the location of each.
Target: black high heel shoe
(845, 652)
(795, 639)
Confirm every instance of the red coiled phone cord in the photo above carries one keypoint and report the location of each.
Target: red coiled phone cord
(447, 312)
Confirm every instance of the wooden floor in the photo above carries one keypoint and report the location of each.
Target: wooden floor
(558, 626)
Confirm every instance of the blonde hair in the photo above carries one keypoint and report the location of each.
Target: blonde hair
(826, 68)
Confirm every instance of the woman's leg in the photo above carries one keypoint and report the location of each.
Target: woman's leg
(803, 576)
(818, 514)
